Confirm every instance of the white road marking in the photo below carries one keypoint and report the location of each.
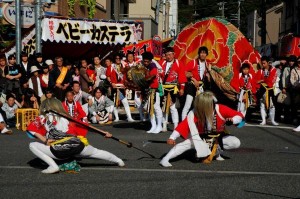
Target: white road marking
(270, 126)
(172, 171)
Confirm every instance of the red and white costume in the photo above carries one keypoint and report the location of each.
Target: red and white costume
(118, 77)
(198, 70)
(42, 124)
(245, 84)
(191, 132)
(266, 95)
(76, 111)
(172, 73)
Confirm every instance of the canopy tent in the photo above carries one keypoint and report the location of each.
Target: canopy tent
(227, 47)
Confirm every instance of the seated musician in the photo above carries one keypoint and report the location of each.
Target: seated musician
(206, 120)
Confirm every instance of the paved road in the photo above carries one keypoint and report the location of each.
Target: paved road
(266, 166)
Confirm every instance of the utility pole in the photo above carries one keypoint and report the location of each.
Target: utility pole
(38, 28)
(18, 30)
(254, 29)
(263, 21)
(164, 20)
(239, 14)
(222, 8)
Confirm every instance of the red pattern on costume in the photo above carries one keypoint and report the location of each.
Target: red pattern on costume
(250, 85)
(270, 80)
(224, 113)
(37, 126)
(79, 114)
(193, 66)
(112, 74)
(176, 72)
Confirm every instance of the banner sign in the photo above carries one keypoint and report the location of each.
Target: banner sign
(81, 32)
(153, 46)
(28, 44)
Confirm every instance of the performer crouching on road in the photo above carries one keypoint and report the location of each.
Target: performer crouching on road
(207, 118)
(53, 130)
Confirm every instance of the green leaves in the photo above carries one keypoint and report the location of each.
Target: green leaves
(90, 4)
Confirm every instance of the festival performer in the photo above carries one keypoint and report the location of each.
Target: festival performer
(152, 77)
(196, 73)
(101, 107)
(207, 120)
(246, 88)
(52, 130)
(132, 61)
(116, 75)
(75, 110)
(265, 79)
(173, 76)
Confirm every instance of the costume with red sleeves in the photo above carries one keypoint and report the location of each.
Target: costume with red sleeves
(222, 113)
(78, 114)
(176, 73)
(246, 82)
(193, 67)
(267, 86)
(194, 134)
(268, 76)
(116, 78)
(153, 71)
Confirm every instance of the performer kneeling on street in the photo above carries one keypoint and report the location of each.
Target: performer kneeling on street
(53, 130)
(206, 120)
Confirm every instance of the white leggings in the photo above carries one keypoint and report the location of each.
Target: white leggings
(43, 152)
(229, 142)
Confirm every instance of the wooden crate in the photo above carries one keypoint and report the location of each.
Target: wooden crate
(24, 117)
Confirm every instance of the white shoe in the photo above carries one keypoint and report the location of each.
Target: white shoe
(121, 163)
(157, 130)
(297, 129)
(274, 123)
(220, 158)
(6, 131)
(51, 170)
(263, 123)
(165, 163)
(130, 120)
(116, 120)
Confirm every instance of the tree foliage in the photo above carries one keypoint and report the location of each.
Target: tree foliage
(210, 8)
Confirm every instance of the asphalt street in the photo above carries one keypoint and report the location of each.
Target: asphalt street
(267, 165)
